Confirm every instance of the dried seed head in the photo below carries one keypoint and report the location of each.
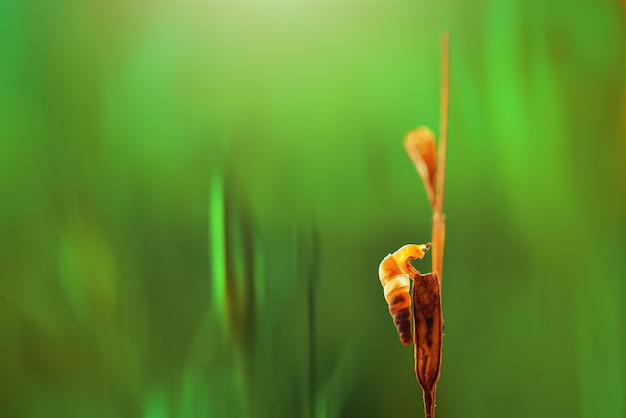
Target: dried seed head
(421, 148)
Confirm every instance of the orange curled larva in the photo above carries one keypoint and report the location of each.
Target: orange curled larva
(396, 272)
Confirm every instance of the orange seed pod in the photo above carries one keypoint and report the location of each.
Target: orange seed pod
(421, 148)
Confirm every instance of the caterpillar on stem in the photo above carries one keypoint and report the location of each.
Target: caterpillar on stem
(396, 273)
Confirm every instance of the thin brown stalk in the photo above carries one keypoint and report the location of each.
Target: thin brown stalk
(426, 297)
(438, 233)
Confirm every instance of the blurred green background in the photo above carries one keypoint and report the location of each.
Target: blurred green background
(195, 197)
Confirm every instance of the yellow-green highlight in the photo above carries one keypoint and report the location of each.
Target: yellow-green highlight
(217, 244)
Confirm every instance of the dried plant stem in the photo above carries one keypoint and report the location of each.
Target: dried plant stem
(426, 297)
(396, 270)
(438, 232)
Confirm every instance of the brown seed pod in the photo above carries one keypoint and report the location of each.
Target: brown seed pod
(395, 273)
(428, 335)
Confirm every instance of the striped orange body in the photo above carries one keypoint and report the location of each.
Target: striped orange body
(395, 273)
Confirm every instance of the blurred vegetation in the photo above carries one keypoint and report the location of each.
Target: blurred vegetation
(195, 197)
